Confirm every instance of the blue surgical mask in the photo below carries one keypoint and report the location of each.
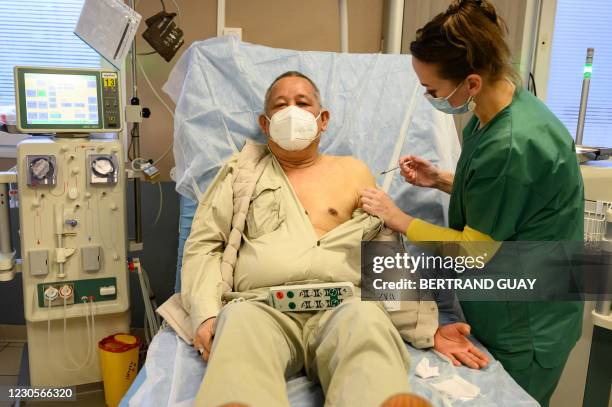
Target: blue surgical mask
(443, 105)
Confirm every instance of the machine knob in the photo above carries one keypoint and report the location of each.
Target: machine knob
(74, 170)
(103, 167)
(66, 291)
(73, 193)
(87, 195)
(100, 148)
(51, 293)
(71, 222)
(63, 149)
(115, 256)
(113, 206)
(40, 168)
(35, 203)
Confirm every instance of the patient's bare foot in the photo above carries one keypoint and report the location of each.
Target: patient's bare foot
(405, 400)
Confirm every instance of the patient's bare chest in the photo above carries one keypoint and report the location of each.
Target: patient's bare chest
(328, 199)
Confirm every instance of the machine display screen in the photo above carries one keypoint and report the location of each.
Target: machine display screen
(61, 99)
(73, 101)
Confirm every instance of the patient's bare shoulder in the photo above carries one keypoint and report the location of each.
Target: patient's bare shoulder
(356, 171)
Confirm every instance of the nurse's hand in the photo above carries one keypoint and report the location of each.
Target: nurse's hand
(422, 173)
(377, 203)
(419, 171)
(451, 341)
(204, 338)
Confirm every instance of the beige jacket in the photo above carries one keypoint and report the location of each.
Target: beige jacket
(234, 213)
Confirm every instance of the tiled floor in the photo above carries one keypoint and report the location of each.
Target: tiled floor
(10, 362)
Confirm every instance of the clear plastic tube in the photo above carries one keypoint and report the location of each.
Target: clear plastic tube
(94, 340)
(49, 328)
(89, 339)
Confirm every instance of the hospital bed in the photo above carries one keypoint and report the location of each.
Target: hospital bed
(377, 113)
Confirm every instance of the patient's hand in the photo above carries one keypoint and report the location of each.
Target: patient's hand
(204, 337)
(450, 340)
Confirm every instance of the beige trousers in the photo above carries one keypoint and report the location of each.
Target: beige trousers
(354, 351)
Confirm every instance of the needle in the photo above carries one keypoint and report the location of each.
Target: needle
(392, 169)
(407, 163)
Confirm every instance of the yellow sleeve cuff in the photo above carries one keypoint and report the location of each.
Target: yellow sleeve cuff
(470, 241)
(421, 231)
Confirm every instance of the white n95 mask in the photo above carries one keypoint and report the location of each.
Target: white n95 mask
(293, 128)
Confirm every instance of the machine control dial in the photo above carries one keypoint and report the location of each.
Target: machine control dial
(66, 291)
(103, 166)
(103, 169)
(40, 168)
(51, 293)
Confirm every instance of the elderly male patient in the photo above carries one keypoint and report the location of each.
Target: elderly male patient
(303, 224)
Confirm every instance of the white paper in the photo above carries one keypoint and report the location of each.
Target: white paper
(457, 388)
(425, 371)
(109, 27)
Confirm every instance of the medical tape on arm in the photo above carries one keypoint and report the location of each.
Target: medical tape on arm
(401, 138)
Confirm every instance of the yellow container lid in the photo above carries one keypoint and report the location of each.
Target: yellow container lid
(118, 343)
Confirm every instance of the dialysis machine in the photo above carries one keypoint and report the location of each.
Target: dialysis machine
(596, 168)
(72, 219)
(597, 177)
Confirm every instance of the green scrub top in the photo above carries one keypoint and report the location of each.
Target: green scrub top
(518, 179)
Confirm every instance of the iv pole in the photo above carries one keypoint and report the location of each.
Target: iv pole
(135, 140)
(586, 82)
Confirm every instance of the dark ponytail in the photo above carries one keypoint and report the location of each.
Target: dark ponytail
(467, 38)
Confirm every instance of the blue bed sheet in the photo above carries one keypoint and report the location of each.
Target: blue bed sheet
(173, 372)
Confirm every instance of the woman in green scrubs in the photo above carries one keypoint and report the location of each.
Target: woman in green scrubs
(517, 179)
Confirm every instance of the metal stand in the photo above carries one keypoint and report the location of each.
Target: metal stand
(586, 82)
(135, 140)
(7, 254)
(599, 375)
